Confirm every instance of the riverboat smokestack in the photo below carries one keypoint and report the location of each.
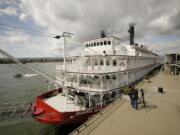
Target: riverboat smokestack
(103, 34)
(131, 33)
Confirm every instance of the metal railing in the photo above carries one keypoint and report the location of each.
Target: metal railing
(95, 117)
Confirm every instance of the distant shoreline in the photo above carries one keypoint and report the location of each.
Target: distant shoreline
(31, 60)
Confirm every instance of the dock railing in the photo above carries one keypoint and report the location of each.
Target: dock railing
(95, 117)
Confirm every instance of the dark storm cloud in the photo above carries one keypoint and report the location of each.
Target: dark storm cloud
(87, 17)
(176, 20)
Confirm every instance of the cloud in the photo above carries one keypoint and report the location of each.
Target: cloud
(167, 48)
(23, 44)
(14, 37)
(9, 7)
(23, 17)
(167, 23)
(11, 11)
(85, 18)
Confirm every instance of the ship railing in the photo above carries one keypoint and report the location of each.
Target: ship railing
(90, 69)
(59, 67)
(100, 69)
(88, 87)
(92, 87)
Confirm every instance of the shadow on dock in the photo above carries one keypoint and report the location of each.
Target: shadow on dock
(147, 108)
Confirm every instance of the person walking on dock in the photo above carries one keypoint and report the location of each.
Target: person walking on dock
(142, 97)
(134, 98)
(131, 95)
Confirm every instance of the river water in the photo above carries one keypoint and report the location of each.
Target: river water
(14, 90)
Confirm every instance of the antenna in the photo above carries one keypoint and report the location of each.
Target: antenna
(131, 33)
(103, 34)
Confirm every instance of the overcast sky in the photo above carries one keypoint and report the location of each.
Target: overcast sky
(157, 23)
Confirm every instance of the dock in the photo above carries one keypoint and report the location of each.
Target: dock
(161, 116)
(172, 64)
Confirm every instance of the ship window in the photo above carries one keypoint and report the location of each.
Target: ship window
(107, 62)
(97, 43)
(107, 77)
(94, 44)
(96, 77)
(88, 62)
(101, 62)
(101, 43)
(114, 63)
(114, 77)
(91, 45)
(105, 42)
(109, 42)
(96, 62)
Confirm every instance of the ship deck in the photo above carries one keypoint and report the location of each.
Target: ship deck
(59, 103)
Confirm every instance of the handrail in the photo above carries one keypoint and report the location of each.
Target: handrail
(94, 117)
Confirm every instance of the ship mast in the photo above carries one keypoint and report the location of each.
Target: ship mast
(64, 35)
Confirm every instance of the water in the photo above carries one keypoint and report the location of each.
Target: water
(23, 89)
(14, 90)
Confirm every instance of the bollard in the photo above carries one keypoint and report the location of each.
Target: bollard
(160, 90)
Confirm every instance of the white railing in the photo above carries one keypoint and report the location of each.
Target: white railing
(93, 87)
(82, 67)
(90, 69)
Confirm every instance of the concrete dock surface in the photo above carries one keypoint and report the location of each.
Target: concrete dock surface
(161, 116)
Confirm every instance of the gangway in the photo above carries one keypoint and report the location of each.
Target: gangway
(8, 110)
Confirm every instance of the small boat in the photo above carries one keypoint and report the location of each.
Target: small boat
(24, 75)
(18, 75)
(30, 75)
